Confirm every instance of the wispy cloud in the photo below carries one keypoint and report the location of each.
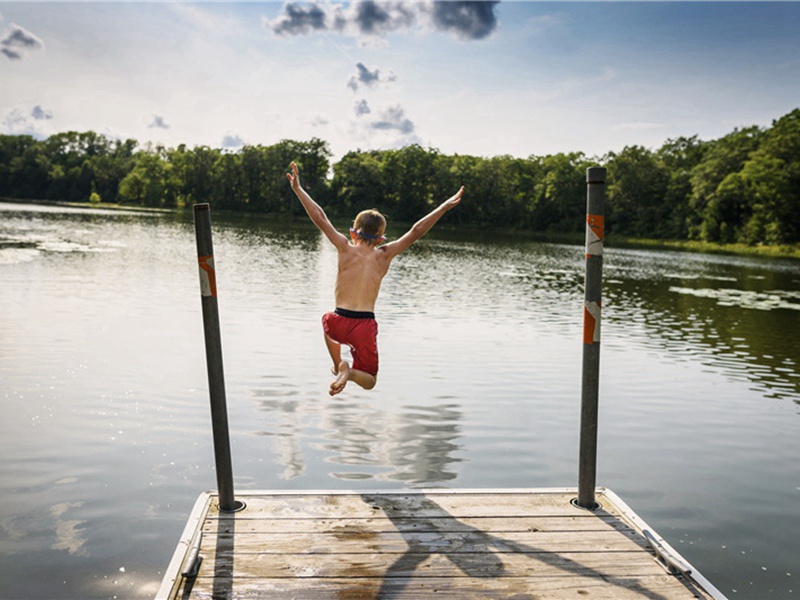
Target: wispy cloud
(18, 42)
(368, 78)
(362, 108)
(33, 122)
(466, 19)
(41, 114)
(232, 141)
(158, 123)
(385, 127)
(393, 119)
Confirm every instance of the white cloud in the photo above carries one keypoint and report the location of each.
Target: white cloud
(393, 119)
(232, 141)
(18, 42)
(362, 108)
(19, 121)
(158, 123)
(367, 78)
(40, 114)
(387, 127)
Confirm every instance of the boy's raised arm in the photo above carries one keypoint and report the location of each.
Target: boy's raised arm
(422, 226)
(314, 210)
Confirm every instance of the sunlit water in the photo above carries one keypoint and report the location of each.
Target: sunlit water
(105, 435)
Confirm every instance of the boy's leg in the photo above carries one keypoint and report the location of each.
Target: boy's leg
(347, 373)
(335, 350)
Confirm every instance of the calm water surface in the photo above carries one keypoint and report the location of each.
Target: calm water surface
(105, 440)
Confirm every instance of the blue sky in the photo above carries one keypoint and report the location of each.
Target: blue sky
(483, 78)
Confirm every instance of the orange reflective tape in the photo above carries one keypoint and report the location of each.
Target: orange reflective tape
(595, 226)
(591, 322)
(208, 276)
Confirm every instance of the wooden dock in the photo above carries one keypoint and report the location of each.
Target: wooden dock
(419, 544)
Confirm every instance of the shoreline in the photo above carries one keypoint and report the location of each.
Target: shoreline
(787, 251)
(762, 250)
(97, 205)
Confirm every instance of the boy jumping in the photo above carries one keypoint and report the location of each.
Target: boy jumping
(362, 266)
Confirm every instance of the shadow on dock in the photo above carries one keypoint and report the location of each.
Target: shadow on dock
(472, 551)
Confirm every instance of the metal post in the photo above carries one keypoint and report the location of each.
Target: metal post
(587, 467)
(216, 381)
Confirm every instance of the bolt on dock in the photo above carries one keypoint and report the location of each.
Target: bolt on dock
(417, 544)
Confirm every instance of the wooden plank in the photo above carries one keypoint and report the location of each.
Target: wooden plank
(542, 588)
(361, 541)
(384, 524)
(420, 505)
(426, 564)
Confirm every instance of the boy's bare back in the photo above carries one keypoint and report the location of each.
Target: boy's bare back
(360, 273)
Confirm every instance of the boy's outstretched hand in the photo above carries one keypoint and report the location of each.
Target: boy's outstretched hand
(294, 177)
(453, 201)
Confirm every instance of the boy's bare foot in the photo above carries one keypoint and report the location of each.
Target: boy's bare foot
(341, 378)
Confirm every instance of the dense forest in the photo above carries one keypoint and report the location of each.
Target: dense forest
(742, 188)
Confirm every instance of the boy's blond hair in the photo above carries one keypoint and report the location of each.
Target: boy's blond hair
(371, 223)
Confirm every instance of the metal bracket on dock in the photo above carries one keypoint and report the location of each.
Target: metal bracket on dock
(193, 558)
(575, 502)
(671, 562)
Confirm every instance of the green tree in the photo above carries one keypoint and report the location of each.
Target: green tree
(195, 173)
(559, 195)
(637, 189)
(227, 189)
(771, 180)
(709, 205)
(12, 148)
(679, 156)
(29, 173)
(150, 182)
(357, 183)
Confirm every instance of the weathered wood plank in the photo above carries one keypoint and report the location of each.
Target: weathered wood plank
(381, 524)
(420, 505)
(426, 564)
(657, 587)
(357, 541)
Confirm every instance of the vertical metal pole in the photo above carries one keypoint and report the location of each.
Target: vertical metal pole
(587, 467)
(216, 381)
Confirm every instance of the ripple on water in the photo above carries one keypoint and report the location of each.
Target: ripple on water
(767, 300)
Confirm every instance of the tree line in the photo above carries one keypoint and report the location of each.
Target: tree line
(741, 188)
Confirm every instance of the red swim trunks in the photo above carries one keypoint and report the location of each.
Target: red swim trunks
(359, 331)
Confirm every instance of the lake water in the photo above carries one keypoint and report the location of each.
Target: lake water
(105, 435)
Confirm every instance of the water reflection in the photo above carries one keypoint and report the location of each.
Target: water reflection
(725, 312)
(31, 231)
(64, 533)
(69, 535)
(417, 446)
(280, 398)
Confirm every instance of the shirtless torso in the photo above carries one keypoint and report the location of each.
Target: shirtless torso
(361, 271)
